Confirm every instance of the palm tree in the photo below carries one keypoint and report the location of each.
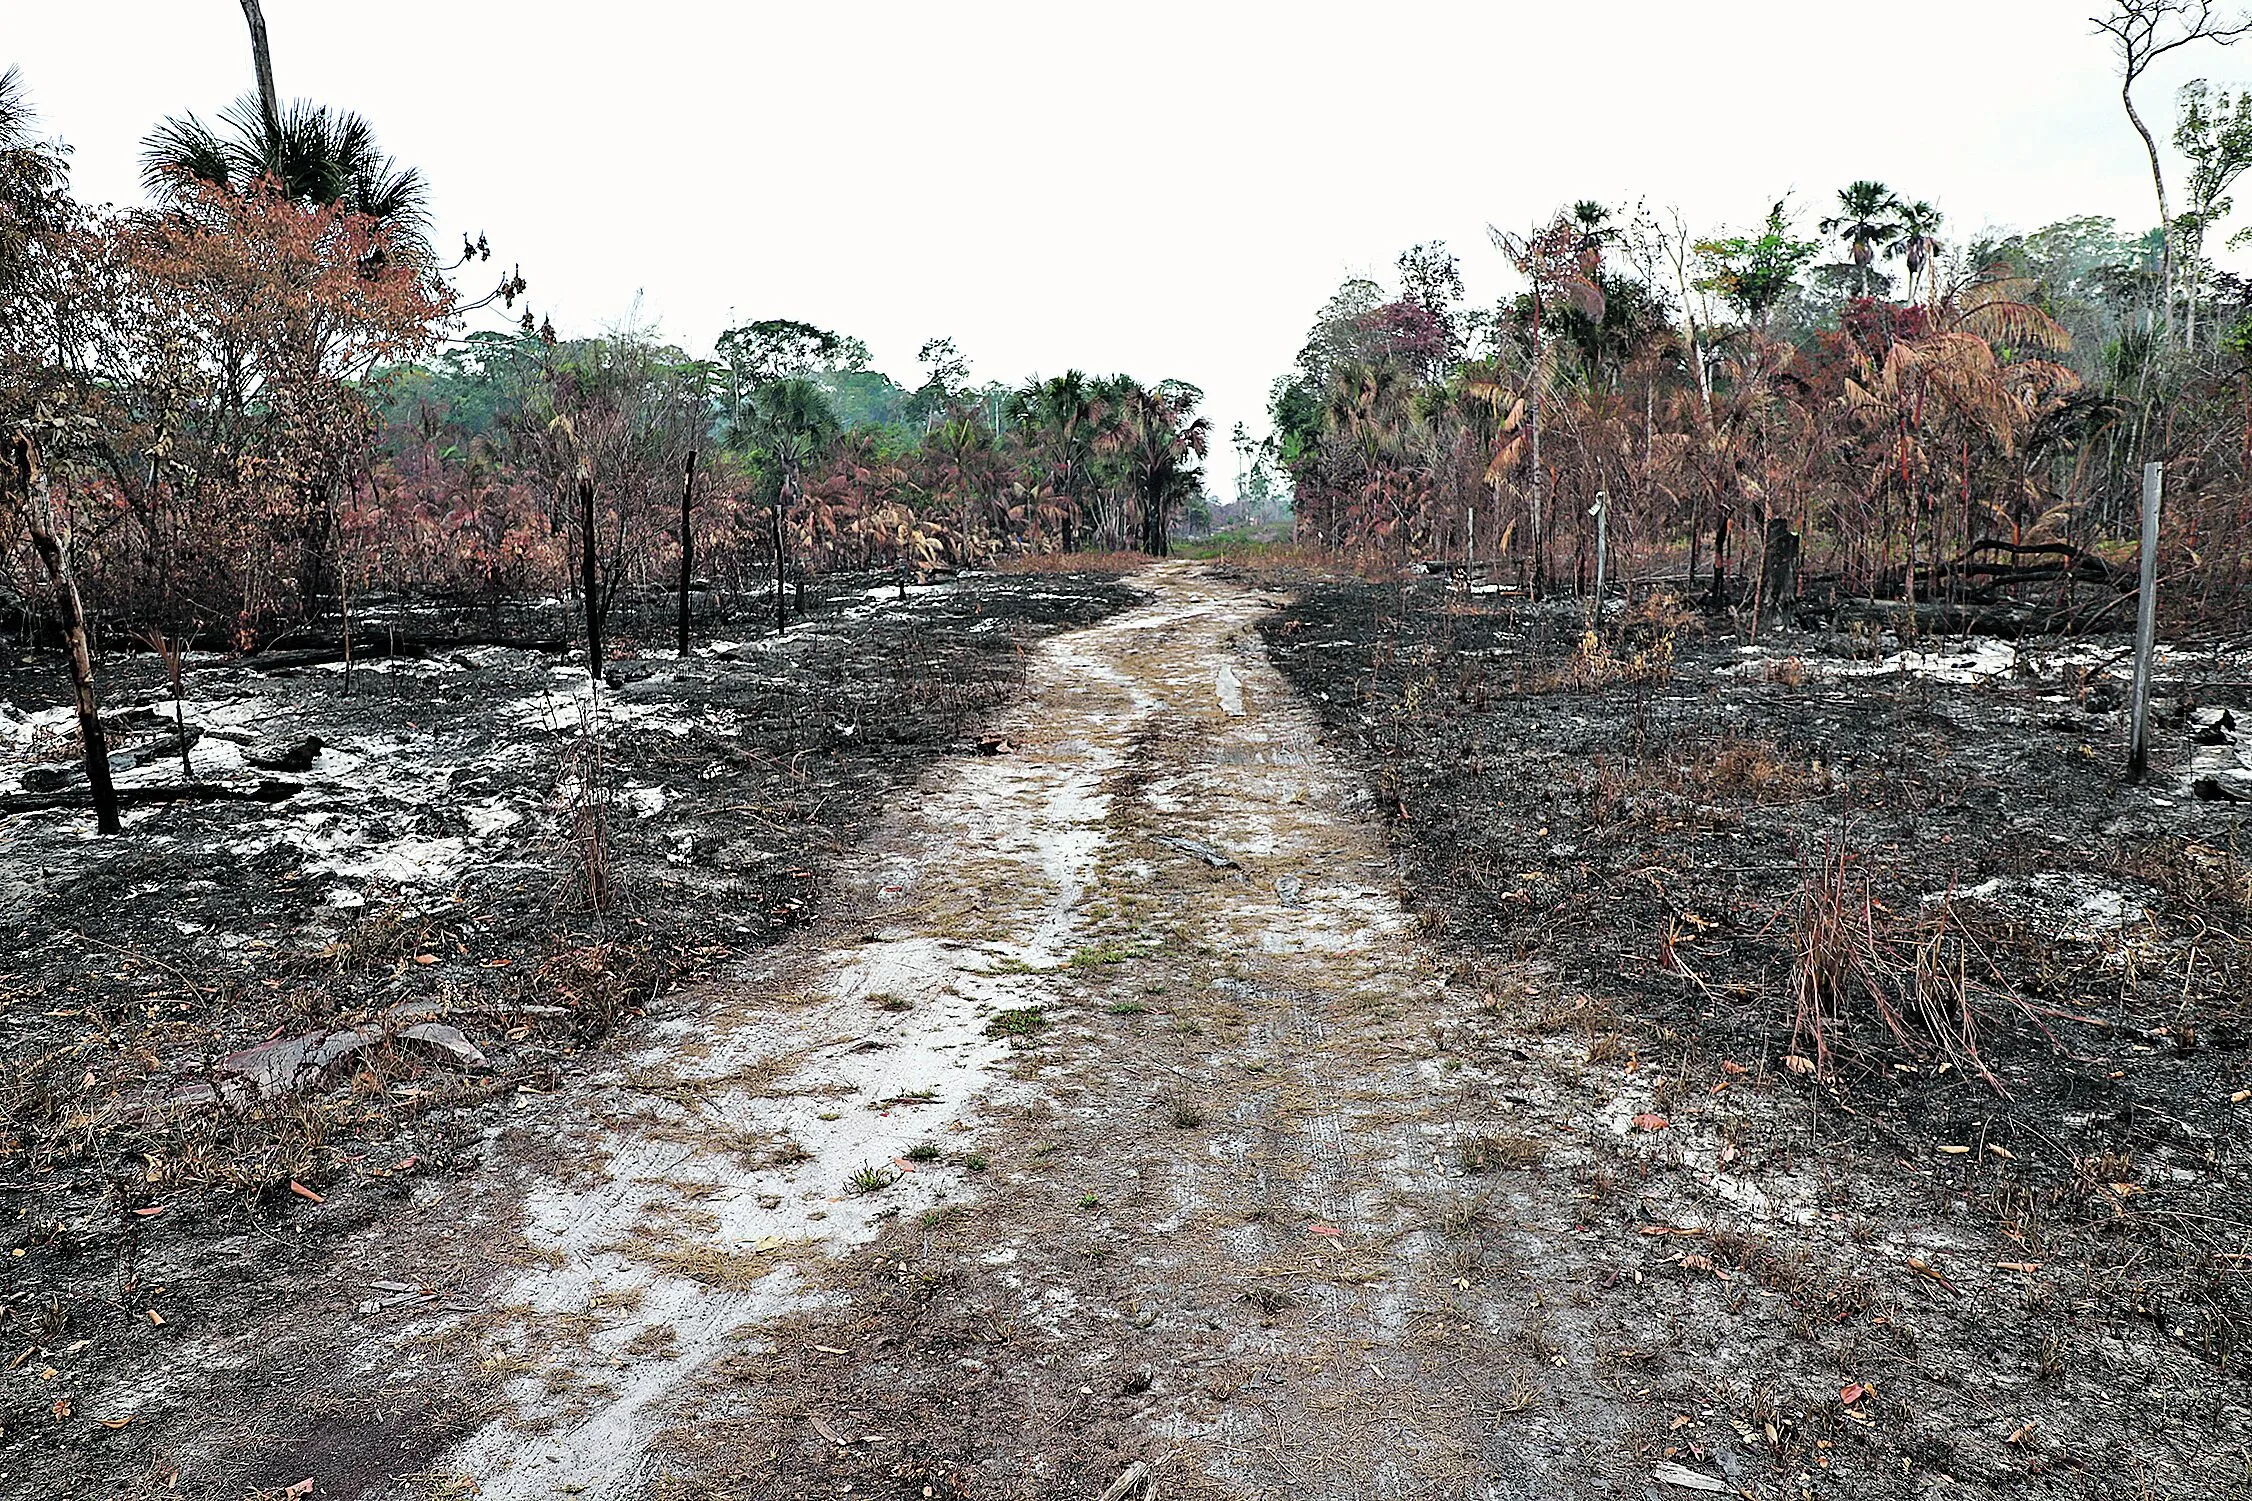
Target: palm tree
(1867, 220)
(28, 175)
(314, 154)
(1977, 379)
(1918, 242)
(1062, 416)
(787, 422)
(1162, 442)
(308, 152)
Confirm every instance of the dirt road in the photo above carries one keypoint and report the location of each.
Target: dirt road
(1114, 1125)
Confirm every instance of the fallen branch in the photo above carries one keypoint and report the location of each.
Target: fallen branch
(416, 647)
(139, 797)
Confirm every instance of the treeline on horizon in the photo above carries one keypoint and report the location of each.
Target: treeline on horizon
(257, 396)
(1925, 413)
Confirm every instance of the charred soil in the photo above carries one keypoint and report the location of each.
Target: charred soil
(1925, 1032)
(184, 1164)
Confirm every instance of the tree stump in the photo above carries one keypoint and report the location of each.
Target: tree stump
(1778, 575)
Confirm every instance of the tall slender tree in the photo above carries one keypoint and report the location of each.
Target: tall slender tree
(262, 66)
(309, 151)
(2142, 32)
(786, 425)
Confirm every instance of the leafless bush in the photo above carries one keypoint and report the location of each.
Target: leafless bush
(588, 877)
(1595, 665)
(1923, 979)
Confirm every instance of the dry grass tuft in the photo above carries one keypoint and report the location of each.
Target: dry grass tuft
(1850, 956)
(1115, 564)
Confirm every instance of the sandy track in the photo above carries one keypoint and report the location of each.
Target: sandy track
(1228, 1071)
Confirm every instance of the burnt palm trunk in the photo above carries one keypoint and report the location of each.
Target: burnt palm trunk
(781, 605)
(52, 543)
(262, 60)
(687, 546)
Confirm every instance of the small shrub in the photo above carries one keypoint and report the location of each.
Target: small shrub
(1021, 1022)
(871, 1179)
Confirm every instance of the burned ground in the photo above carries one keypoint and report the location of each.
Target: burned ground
(433, 867)
(1329, 1050)
(1706, 863)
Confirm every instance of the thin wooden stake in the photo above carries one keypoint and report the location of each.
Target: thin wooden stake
(2146, 623)
(687, 545)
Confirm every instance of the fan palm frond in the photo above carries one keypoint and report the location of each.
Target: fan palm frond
(180, 151)
(313, 153)
(15, 112)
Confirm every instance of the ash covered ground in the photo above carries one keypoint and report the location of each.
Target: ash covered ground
(418, 905)
(2004, 1238)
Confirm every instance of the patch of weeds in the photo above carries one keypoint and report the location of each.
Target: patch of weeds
(884, 1000)
(870, 1180)
(1022, 1021)
(1127, 1008)
(1269, 1299)
(1187, 1028)
(1098, 955)
(922, 1151)
(1187, 1115)
(975, 1163)
(1090, 1201)
(658, 1340)
(1463, 1216)
(697, 1260)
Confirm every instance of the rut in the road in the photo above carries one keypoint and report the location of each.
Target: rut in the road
(1173, 1162)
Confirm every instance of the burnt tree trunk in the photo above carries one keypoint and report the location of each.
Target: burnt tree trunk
(52, 543)
(1720, 562)
(781, 605)
(687, 546)
(1778, 578)
(590, 577)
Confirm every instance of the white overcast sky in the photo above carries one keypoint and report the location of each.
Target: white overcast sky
(1168, 189)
